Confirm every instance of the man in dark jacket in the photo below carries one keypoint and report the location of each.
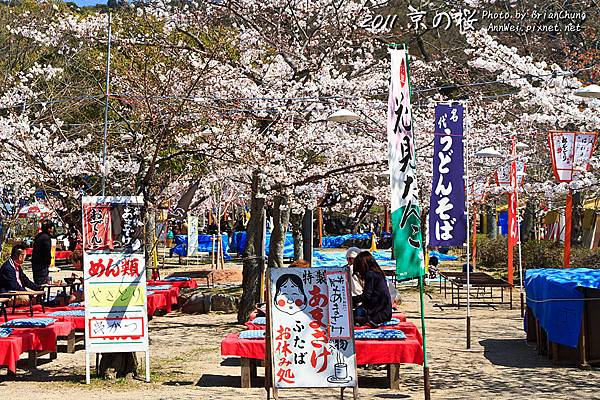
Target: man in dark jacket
(12, 276)
(40, 256)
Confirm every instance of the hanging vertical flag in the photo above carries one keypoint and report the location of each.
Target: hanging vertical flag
(447, 222)
(406, 214)
(512, 199)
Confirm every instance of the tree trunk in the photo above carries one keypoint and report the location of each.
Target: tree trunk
(527, 228)
(296, 222)
(118, 365)
(150, 222)
(492, 224)
(281, 218)
(577, 219)
(253, 259)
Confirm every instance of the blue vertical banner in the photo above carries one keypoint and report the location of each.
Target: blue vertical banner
(447, 220)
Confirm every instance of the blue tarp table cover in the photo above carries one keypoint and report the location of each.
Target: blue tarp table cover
(205, 245)
(560, 319)
(332, 242)
(338, 259)
(442, 257)
(238, 243)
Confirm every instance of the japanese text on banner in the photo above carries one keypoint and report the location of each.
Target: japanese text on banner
(447, 222)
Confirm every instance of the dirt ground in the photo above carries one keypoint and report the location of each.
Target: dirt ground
(186, 362)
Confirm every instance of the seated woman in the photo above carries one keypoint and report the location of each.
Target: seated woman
(376, 307)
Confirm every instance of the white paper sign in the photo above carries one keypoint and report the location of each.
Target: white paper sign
(571, 152)
(503, 174)
(305, 351)
(114, 272)
(192, 248)
(339, 305)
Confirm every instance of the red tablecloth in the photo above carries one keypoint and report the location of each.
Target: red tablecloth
(408, 351)
(191, 284)
(59, 255)
(401, 317)
(171, 295)
(62, 327)
(23, 311)
(76, 322)
(11, 349)
(38, 338)
(408, 328)
(157, 301)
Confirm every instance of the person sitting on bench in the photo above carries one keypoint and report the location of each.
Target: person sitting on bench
(12, 277)
(376, 307)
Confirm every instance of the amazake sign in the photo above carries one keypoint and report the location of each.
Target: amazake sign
(312, 336)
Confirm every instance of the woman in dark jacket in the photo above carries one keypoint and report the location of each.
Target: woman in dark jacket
(376, 305)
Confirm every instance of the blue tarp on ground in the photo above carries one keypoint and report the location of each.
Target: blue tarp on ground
(333, 242)
(560, 319)
(288, 245)
(205, 245)
(238, 244)
(503, 222)
(338, 259)
(442, 257)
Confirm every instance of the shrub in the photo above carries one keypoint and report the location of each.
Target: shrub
(492, 254)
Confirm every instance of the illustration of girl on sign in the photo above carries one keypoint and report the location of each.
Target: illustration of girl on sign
(289, 294)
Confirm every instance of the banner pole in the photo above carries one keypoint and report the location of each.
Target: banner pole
(567, 242)
(106, 104)
(467, 134)
(474, 247)
(519, 246)
(426, 385)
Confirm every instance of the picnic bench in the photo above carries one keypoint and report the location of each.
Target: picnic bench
(39, 294)
(390, 353)
(479, 283)
(208, 275)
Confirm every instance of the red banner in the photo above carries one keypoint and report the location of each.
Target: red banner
(97, 226)
(512, 199)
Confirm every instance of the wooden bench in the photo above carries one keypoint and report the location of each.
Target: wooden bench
(39, 294)
(208, 275)
(377, 352)
(249, 372)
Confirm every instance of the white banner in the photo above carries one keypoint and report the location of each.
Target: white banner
(312, 338)
(116, 318)
(192, 248)
(401, 144)
(503, 174)
(570, 152)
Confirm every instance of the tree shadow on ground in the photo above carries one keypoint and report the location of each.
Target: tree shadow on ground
(38, 375)
(391, 395)
(234, 381)
(178, 383)
(522, 355)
